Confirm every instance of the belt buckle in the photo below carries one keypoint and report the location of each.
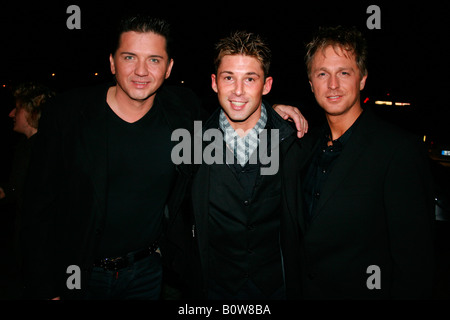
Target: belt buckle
(114, 263)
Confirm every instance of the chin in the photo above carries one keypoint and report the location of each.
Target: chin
(237, 116)
(141, 96)
(334, 110)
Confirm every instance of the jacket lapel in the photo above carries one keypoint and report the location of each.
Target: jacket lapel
(294, 182)
(355, 147)
(291, 184)
(200, 190)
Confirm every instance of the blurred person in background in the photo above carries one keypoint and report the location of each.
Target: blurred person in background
(30, 97)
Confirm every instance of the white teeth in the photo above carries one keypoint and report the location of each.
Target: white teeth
(238, 104)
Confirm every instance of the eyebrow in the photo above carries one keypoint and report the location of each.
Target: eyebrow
(134, 54)
(247, 73)
(339, 69)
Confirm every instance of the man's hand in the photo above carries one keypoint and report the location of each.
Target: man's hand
(291, 113)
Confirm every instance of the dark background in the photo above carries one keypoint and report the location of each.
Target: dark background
(408, 56)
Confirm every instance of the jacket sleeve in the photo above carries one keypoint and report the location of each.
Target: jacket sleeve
(410, 218)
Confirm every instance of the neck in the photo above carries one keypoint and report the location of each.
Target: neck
(340, 123)
(126, 108)
(242, 128)
(30, 132)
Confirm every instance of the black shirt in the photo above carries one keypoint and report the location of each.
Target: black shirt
(321, 165)
(243, 226)
(140, 174)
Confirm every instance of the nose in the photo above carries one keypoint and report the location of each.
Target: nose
(141, 69)
(12, 114)
(239, 88)
(333, 82)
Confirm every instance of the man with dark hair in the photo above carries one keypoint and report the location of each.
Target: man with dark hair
(102, 173)
(244, 244)
(368, 214)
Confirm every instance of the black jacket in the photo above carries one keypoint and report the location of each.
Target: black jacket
(65, 197)
(375, 209)
(187, 229)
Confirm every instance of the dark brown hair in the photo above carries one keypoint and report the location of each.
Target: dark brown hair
(144, 24)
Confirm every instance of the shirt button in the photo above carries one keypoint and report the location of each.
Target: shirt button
(246, 202)
(317, 195)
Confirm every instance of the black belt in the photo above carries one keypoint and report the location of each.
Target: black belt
(114, 264)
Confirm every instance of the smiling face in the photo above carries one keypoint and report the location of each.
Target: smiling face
(336, 82)
(240, 85)
(141, 65)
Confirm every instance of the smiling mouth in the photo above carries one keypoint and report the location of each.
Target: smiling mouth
(140, 84)
(238, 104)
(337, 97)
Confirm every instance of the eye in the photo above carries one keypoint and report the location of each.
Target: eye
(228, 78)
(154, 60)
(128, 57)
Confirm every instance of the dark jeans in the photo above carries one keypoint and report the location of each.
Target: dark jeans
(139, 281)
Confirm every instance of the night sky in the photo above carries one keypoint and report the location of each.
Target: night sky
(408, 58)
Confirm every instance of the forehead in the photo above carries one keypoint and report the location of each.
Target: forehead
(333, 56)
(240, 62)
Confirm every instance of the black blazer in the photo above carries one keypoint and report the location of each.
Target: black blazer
(375, 209)
(187, 230)
(65, 197)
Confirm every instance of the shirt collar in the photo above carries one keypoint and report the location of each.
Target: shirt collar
(342, 140)
(242, 147)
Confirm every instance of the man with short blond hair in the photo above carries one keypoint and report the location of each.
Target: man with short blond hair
(368, 218)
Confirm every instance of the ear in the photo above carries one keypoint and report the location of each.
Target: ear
(214, 83)
(311, 85)
(362, 83)
(169, 69)
(111, 64)
(267, 85)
